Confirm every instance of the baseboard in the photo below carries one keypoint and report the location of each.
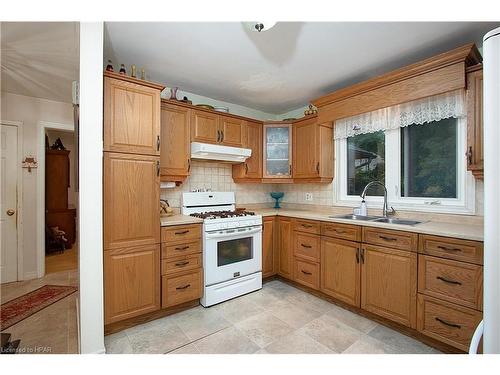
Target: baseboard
(30, 276)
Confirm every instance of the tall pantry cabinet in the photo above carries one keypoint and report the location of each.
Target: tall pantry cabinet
(131, 197)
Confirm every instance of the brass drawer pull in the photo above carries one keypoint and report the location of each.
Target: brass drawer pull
(183, 232)
(306, 246)
(307, 225)
(182, 248)
(357, 255)
(180, 264)
(183, 287)
(448, 281)
(388, 238)
(448, 324)
(339, 231)
(449, 248)
(306, 272)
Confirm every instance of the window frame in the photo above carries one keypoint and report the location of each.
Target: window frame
(463, 204)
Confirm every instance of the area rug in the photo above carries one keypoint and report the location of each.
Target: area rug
(22, 307)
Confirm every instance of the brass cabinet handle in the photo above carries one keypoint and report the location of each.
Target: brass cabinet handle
(180, 264)
(10, 212)
(469, 155)
(183, 232)
(189, 164)
(448, 324)
(357, 255)
(339, 231)
(363, 256)
(222, 135)
(306, 246)
(388, 238)
(183, 287)
(306, 272)
(317, 167)
(448, 281)
(449, 248)
(218, 135)
(290, 170)
(246, 168)
(157, 143)
(157, 168)
(182, 248)
(307, 225)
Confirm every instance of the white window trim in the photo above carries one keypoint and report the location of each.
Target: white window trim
(463, 204)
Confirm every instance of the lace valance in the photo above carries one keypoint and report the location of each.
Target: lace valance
(417, 112)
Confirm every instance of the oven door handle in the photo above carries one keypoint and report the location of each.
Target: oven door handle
(233, 232)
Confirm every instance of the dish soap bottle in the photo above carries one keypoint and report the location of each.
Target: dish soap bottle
(363, 210)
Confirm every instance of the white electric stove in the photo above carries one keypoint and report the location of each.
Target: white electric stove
(232, 245)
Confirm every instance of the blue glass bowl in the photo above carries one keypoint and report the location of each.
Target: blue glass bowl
(277, 196)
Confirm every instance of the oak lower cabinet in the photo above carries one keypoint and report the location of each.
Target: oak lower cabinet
(285, 248)
(175, 149)
(131, 200)
(131, 115)
(268, 256)
(389, 283)
(131, 282)
(340, 270)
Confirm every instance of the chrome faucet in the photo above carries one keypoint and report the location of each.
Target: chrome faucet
(385, 209)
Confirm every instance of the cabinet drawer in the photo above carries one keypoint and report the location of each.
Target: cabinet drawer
(307, 246)
(390, 238)
(180, 233)
(307, 226)
(343, 231)
(169, 251)
(306, 273)
(457, 282)
(179, 264)
(446, 322)
(180, 288)
(451, 248)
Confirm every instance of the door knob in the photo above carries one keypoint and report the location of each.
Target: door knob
(10, 212)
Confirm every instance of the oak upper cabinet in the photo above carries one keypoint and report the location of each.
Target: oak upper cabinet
(131, 200)
(389, 283)
(205, 127)
(340, 270)
(277, 151)
(312, 150)
(285, 249)
(268, 260)
(131, 282)
(131, 115)
(251, 169)
(475, 154)
(231, 131)
(175, 151)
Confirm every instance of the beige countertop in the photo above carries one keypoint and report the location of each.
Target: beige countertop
(179, 219)
(437, 228)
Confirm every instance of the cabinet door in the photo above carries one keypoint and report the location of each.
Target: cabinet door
(131, 282)
(231, 131)
(175, 149)
(131, 117)
(475, 154)
(306, 149)
(277, 151)
(131, 200)
(252, 167)
(205, 127)
(285, 247)
(389, 283)
(268, 247)
(340, 270)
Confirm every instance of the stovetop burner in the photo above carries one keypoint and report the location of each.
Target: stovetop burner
(222, 214)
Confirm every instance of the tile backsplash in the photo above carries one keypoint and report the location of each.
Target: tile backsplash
(218, 177)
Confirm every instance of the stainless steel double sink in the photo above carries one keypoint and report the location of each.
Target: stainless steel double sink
(377, 219)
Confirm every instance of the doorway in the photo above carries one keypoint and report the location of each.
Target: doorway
(61, 252)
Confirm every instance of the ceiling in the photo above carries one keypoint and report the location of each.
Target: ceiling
(283, 68)
(40, 59)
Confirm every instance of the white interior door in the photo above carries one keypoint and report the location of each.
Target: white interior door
(8, 203)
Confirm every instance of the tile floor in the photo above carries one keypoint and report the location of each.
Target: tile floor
(53, 329)
(276, 319)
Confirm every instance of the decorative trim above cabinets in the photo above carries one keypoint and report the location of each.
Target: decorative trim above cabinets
(436, 75)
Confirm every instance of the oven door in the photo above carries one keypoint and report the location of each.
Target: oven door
(232, 253)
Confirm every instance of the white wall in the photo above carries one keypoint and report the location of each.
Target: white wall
(68, 140)
(30, 111)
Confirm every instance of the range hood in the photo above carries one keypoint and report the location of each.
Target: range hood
(207, 151)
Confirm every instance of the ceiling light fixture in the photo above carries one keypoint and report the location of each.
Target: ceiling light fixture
(259, 26)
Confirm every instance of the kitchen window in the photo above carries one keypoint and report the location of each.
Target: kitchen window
(421, 162)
